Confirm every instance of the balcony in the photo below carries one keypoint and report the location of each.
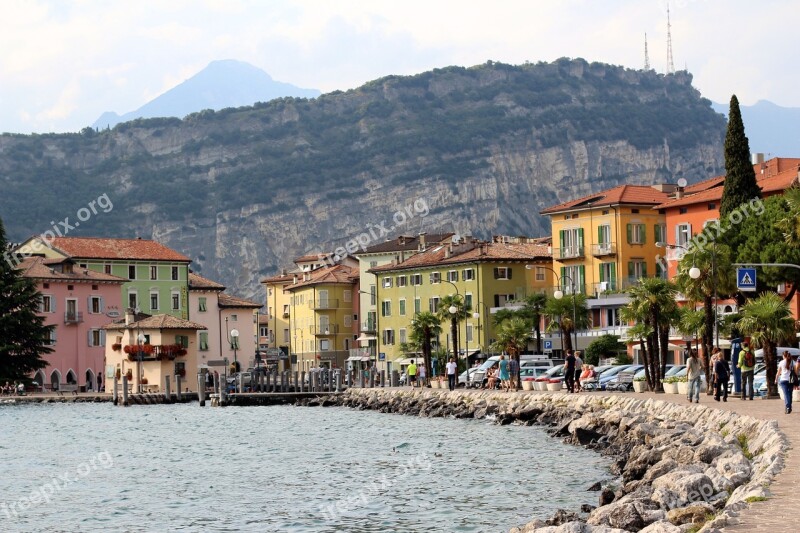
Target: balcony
(569, 252)
(73, 317)
(370, 326)
(606, 287)
(324, 303)
(324, 330)
(604, 249)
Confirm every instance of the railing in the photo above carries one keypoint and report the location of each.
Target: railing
(330, 329)
(332, 355)
(73, 317)
(606, 287)
(370, 326)
(360, 352)
(569, 252)
(324, 303)
(606, 248)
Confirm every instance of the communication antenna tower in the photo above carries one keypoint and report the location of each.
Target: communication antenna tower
(646, 55)
(670, 63)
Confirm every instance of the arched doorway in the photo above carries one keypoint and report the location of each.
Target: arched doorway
(89, 380)
(40, 379)
(55, 380)
(72, 379)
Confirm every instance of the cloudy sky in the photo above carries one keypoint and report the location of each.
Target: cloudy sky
(63, 63)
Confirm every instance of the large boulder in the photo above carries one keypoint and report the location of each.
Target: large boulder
(697, 513)
(688, 487)
(662, 526)
(664, 466)
(735, 467)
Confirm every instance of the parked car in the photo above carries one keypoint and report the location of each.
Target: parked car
(608, 375)
(671, 370)
(546, 363)
(530, 373)
(462, 378)
(479, 377)
(555, 373)
(623, 380)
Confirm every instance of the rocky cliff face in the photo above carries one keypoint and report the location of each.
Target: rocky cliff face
(478, 151)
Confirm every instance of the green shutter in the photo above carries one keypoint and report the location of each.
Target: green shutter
(613, 280)
(600, 235)
(602, 273)
(508, 272)
(563, 280)
(631, 270)
(643, 233)
(656, 234)
(561, 238)
(581, 284)
(644, 269)
(630, 233)
(580, 238)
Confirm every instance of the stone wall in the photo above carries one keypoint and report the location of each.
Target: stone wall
(678, 466)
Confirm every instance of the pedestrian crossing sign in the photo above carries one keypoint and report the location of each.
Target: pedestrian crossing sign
(746, 279)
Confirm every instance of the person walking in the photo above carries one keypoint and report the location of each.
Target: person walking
(569, 373)
(578, 369)
(452, 368)
(721, 376)
(747, 363)
(504, 377)
(694, 375)
(422, 375)
(513, 370)
(411, 372)
(786, 379)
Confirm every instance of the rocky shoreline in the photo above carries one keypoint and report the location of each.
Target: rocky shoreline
(678, 467)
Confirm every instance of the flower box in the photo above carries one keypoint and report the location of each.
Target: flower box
(671, 388)
(640, 386)
(527, 385)
(435, 384)
(540, 385)
(683, 387)
(554, 387)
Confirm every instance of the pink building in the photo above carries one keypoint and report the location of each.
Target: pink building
(79, 302)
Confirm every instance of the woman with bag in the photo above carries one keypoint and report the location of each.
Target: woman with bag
(786, 379)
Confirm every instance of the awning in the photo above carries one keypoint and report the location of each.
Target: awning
(365, 358)
(366, 338)
(353, 358)
(406, 361)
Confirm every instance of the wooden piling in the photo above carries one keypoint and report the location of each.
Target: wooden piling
(125, 391)
(167, 393)
(201, 389)
(178, 387)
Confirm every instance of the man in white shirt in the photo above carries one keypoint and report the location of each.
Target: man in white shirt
(452, 368)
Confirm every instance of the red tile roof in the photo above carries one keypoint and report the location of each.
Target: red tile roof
(336, 274)
(198, 282)
(280, 278)
(102, 248)
(471, 253)
(622, 194)
(405, 243)
(156, 322)
(41, 268)
(225, 300)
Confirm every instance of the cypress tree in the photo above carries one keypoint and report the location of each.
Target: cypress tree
(24, 338)
(740, 178)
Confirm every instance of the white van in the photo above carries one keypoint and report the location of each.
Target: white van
(794, 352)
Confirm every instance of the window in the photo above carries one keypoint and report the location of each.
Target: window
(571, 242)
(373, 264)
(182, 340)
(133, 300)
(234, 342)
(52, 340)
(416, 279)
(712, 206)
(347, 295)
(402, 281)
(469, 333)
(417, 306)
(97, 337)
(608, 277)
(324, 345)
(234, 318)
(47, 304)
(573, 277)
(388, 336)
(635, 211)
(82, 265)
(712, 222)
(373, 295)
(174, 273)
(348, 321)
(131, 271)
(201, 304)
(107, 268)
(501, 300)
(286, 335)
(452, 275)
(95, 287)
(203, 345)
(660, 233)
(402, 336)
(263, 331)
(605, 211)
(176, 301)
(636, 234)
(154, 301)
(502, 273)
(540, 274)
(387, 282)
(95, 305)
(637, 269)
(683, 210)
(612, 317)
(469, 274)
(433, 304)
(403, 307)
(683, 234)
(604, 238)
(153, 272)
(468, 300)
(436, 277)
(386, 308)
(661, 272)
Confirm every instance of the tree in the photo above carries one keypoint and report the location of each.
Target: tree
(740, 178)
(560, 312)
(604, 347)
(716, 277)
(424, 327)
(24, 338)
(691, 323)
(513, 336)
(790, 224)
(768, 322)
(463, 310)
(652, 304)
(533, 310)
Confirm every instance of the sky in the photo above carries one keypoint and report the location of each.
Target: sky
(63, 63)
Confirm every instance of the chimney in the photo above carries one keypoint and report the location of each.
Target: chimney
(422, 245)
(448, 251)
(679, 193)
(401, 240)
(294, 278)
(758, 158)
(130, 317)
(306, 276)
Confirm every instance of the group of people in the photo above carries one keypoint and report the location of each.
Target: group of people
(573, 371)
(8, 389)
(506, 374)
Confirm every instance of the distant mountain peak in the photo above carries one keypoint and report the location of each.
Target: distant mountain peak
(223, 83)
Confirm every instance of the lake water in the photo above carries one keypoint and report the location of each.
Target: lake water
(97, 467)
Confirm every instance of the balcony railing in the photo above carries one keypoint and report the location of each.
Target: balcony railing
(569, 252)
(324, 303)
(73, 317)
(363, 353)
(606, 287)
(370, 326)
(322, 330)
(606, 248)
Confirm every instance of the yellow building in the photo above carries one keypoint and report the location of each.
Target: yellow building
(486, 275)
(604, 243)
(322, 316)
(168, 347)
(276, 335)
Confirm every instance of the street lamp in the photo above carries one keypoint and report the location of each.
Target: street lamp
(140, 338)
(453, 310)
(559, 294)
(233, 340)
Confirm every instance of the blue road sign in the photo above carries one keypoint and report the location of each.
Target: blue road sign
(746, 279)
(548, 345)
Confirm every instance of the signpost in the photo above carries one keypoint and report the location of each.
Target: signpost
(746, 279)
(548, 346)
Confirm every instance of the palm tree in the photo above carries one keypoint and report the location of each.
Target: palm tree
(639, 332)
(513, 336)
(424, 327)
(560, 312)
(768, 322)
(717, 276)
(652, 303)
(533, 310)
(691, 323)
(791, 224)
(463, 310)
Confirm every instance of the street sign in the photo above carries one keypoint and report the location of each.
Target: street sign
(217, 362)
(746, 279)
(548, 346)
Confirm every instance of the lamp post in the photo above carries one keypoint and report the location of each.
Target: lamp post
(233, 339)
(140, 338)
(453, 310)
(695, 273)
(559, 294)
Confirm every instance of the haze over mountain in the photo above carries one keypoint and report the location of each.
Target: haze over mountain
(477, 150)
(771, 129)
(225, 83)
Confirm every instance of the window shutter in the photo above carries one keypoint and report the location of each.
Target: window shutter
(600, 235)
(582, 279)
(631, 271)
(53, 304)
(689, 226)
(102, 338)
(656, 234)
(602, 273)
(563, 280)
(644, 269)
(89, 338)
(102, 306)
(678, 234)
(496, 273)
(89, 304)
(643, 233)
(55, 333)
(508, 272)
(561, 238)
(613, 280)
(630, 233)
(580, 238)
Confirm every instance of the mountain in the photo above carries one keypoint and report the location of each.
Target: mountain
(221, 84)
(477, 150)
(771, 129)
